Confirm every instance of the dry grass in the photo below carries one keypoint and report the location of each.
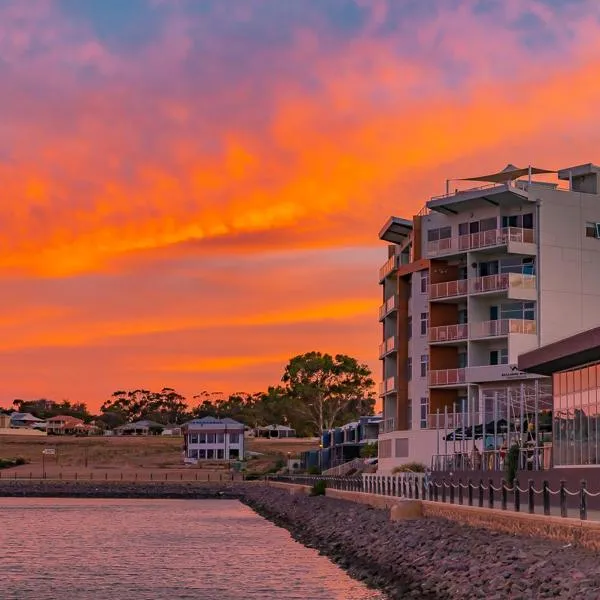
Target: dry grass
(160, 452)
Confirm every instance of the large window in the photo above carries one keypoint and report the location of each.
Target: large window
(576, 428)
(592, 230)
(234, 438)
(424, 282)
(442, 233)
(424, 412)
(521, 221)
(499, 357)
(518, 310)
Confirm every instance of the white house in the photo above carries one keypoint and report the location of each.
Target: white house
(213, 439)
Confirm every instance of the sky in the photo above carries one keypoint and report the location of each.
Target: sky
(191, 190)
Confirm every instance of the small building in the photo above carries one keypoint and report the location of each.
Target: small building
(4, 421)
(20, 419)
(63, 425)
(274, 432)
(210, 438)
(143, 427)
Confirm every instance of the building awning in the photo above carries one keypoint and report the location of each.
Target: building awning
(509, 173)
(396, 230)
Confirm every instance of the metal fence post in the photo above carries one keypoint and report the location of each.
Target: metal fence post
(481, 493)
(531, 497)
(417, 489)
(470, 492)
(517, 496)
(491, 493)
(460, 491)
(443, 490)
(546, 497)
(451, 484)
(583, 501)
(504, 495)
(563, 500)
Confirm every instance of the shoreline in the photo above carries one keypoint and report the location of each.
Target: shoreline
(428, 558)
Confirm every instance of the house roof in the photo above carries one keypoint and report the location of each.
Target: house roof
(275, 428)
(213, 421)
(143, 424)
(19, 416)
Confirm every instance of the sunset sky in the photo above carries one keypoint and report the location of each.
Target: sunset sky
(192, 189)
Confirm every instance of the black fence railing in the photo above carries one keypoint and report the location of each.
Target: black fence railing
(417, 486)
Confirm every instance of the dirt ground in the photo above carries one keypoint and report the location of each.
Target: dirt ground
(129, 453)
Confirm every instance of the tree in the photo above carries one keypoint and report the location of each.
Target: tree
(166, 406)
(329, 390)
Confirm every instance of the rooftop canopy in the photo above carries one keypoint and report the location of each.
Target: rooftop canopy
(509, 173)
(396, 230)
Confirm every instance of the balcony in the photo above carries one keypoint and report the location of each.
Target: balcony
(388, 386)
(443, 377)
(502, 328)
(448, 333)
(452, 420)
(388, 346)
(516, 285)
(388, 307)
(387, 425)
(484, 239)
(448, 289)
(389, 266)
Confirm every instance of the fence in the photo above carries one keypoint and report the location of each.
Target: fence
(129, 476)
(418, 486)
(531, 458)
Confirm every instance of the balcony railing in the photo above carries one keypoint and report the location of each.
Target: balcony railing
(387, 346)
(448, 289)
(388, 386)
(389, 266)
(501, 282)
(447, 377)
(502, 327)
(483, 239)
(452, 420)
(389, 306)
(387, 425)
(449, 333)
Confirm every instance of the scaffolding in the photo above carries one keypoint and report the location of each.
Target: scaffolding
(496, 418)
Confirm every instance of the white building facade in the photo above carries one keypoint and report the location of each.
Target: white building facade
(213, 439)
(478, 277)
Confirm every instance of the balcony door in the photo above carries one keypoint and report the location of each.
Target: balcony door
(493, 313)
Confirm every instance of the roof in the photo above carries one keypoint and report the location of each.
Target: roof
(67, 418)
(578, 171)
(396, 230)
(144, 423)
(276, 427)
(19, 416)
(213, 421)
(574, 351)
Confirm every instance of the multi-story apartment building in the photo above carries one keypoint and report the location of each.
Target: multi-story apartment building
(478, 277)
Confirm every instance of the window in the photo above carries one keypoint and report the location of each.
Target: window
(488, 224)
(424, 412)
(443, 233)
(424, 323)
(517, 265)
(409, 328)
(521, 221)
(462, 316)
(202, 438)
(462, 360)
(409, 368)
(202, 454)
(424, 364)
(592, 230)
(518, 310)
(499, 357)
(234, 438)
(409, 414)
(220, 438)
(210, 438)
(210, 454)
(424, 282)
(193, 438)
(220, 454)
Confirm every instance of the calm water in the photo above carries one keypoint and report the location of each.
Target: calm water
(146, 549)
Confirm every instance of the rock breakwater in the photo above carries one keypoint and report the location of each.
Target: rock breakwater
(429, 558)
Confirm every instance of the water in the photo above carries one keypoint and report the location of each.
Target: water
(154, 549)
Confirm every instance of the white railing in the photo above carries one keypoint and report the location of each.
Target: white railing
(449, 333)
(447, 376)
(452, 420)
(502, 327)
(344, 468)
(483, 239)
(501, 282)
(448, 289)
(387, 425)
(403, 485)
(387, 346)
(390, 305)
(389, 266)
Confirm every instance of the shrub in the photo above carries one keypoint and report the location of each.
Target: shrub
(314, 470)
(368, 451)
(251, 477)
(412, 467)
(319, 487)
